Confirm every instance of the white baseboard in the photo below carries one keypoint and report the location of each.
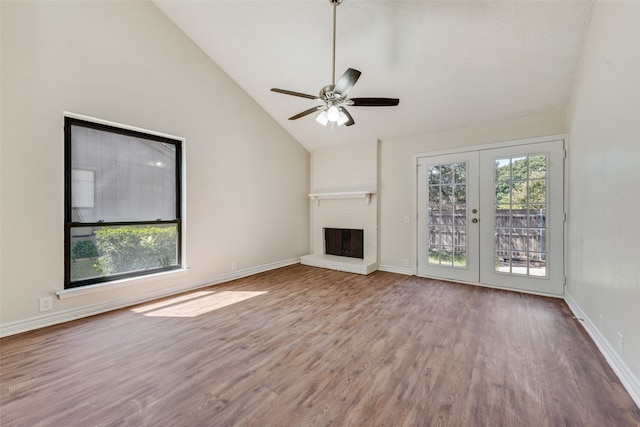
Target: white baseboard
(55, 318)
(627, 378)
(251, 271)
(407, 271)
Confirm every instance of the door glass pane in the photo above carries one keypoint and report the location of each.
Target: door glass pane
(537, 191)
(434, 195)
(460, 215)
(459, 257)
(446, 193)
(537, 216)
(520, 215)
(537, 264)
(446, 173)
(434, 175)
(460, 194)
(447, 215)
(460, 173)
(460, 236)
(537, 166)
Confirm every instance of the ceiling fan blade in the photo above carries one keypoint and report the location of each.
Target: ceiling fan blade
(346, 82)
(346, 113)
(292, 93)
(307, 112)
(374, 102)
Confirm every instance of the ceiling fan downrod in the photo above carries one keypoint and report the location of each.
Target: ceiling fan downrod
(335, 4)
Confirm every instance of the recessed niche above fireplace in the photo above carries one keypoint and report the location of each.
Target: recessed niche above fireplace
(345, 242)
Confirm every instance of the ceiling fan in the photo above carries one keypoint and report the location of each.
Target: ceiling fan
(334, 96)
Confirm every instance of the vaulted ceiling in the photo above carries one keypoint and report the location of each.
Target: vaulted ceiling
(451, 63)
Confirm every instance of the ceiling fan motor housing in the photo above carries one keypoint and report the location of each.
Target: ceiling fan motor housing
(327, 92)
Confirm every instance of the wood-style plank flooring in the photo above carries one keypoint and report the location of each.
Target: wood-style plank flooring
(303, 346)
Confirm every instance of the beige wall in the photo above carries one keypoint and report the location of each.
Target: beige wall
(349, 167)
(396, 173)
(247, 180)
(604, 174)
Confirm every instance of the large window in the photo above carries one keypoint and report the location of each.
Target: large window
(122, 203)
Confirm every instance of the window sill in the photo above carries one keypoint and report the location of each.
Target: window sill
(117, 284)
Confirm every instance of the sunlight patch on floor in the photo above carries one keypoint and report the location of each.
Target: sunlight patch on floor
(195, 304)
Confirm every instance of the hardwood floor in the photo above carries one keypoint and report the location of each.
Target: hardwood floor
(307, 346)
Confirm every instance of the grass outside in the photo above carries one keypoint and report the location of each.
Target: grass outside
(448, 258)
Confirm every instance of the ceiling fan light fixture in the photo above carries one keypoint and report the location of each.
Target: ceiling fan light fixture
(342, 119)
(333, 114)
(322, 118)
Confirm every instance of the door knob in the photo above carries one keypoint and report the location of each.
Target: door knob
(474, 220)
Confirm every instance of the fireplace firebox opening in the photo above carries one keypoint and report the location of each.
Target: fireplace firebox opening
(346, 242)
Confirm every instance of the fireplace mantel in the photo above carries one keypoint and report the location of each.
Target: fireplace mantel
(366, 195)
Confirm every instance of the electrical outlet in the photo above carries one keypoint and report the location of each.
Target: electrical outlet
(234, 265)
(620, 344)
(406, 263)
(46, 304)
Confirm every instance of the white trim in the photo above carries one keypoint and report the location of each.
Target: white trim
(407, 271)
(251, 271)
(491, 146)
(627, 378)
(414, 212)
(55, 318)
(183, 209)
(120, 125)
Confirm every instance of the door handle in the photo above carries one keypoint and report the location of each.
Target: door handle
(474, 220)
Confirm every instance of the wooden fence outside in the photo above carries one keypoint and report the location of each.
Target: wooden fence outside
(519, 233)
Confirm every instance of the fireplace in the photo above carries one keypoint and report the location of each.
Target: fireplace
(344, 232)
(347, 242)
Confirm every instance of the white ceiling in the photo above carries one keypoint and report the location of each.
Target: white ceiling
(451, 63)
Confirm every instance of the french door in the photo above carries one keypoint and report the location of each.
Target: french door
(448, 204)
(494, 217)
